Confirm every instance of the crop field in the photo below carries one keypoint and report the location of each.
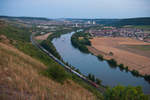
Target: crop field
(131, 52)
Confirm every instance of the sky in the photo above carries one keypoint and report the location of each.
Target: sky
(76, 8)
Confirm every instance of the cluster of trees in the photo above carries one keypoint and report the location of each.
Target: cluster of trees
(48, 45)
(92, 78)
(113, 64)
(100, 57)
(80, 43)
(125, 93)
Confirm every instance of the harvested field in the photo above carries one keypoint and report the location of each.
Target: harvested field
(125, 50)
(43, 37)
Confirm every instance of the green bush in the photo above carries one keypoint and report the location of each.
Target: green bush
(98, 81)
(135, 73)
(147, 77)
(100, 57)
(48, 45)
(112, 63)
(81, 44)
(125, 93)
(57, 73)
(126, 68)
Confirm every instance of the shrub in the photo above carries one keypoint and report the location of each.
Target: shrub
(100, 57)
(135, 73)
(98, 81)
(126, 68)
(112, 63)
(57, 73)
(125, 93)
(147, 77)
(111, 53)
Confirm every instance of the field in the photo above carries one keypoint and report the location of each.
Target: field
(132, 53)
(42, 37)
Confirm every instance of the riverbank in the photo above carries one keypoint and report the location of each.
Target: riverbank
(116, 48)
(88, 63)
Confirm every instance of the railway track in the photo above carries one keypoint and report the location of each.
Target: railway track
(36, 44)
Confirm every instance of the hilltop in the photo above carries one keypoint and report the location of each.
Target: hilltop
(27, 73)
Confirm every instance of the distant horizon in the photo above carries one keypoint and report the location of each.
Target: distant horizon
(70, 17)
(87, 9)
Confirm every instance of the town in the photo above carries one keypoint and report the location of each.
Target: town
(109, 31)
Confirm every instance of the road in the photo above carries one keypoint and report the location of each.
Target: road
(65, 66)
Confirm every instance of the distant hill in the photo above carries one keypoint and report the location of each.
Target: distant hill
(25, 18)
(133, 21)
(117, 22)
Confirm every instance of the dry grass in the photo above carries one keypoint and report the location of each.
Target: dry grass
(20, 80)
(43, 37)
(135, 59)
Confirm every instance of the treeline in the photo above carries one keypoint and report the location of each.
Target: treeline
(133, 21)
(48, 45)
(113, 64)
(80, 40)
(94, 79)
(125, 93)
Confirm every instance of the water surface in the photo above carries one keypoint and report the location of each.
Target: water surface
(88, 63)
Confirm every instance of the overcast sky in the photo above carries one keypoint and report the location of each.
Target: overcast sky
(76, 8)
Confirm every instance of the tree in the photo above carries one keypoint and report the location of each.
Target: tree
(98, 81)
(125, 93)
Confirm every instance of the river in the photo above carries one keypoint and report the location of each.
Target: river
(88, 63)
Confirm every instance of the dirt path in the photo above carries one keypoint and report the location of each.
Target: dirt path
(134, 60)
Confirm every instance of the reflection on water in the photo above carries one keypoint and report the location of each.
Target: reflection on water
(88, 63)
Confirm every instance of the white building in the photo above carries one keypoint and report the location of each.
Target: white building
(94, 22)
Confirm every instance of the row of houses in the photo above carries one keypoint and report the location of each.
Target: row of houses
(120, 32)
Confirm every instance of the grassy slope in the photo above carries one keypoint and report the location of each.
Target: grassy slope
(14, 35)
(20, 78)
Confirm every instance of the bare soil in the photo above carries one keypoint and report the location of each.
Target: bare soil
(134, 58)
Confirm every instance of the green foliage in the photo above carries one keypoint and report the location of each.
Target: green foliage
(126, 68)
(112, 63)
(98, 81)
(15, 33)
(135, 73)
(121, 66)
(77, 70)
(50, 47)
(92, 78)
(54, 70)
(133, 21)
(100, 57)
(81, 43)
(125, 93)
(147, 77)
(22, 38)
(57, 73)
